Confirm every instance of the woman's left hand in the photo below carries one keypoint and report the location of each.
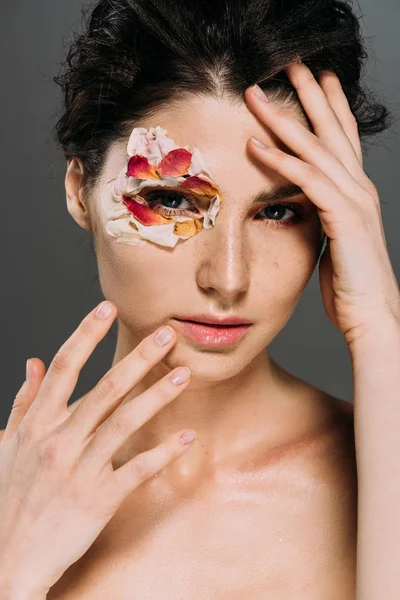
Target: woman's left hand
(357, 280)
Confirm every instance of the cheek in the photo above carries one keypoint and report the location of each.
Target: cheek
(139, 280)
(287, 259)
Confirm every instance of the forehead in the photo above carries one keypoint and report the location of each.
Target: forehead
(219, 128)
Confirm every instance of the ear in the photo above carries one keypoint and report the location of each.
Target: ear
(76, 203)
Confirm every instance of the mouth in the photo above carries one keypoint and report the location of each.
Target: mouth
(213, 334)
(206, 319)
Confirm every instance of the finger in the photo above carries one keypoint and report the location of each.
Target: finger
(143, 466)
(63, 372)
(330, 83)
(127, 419)
(25, 396)
(74, 405)
(319, 189)
(324, 119)
(101, 402)
(305, 144)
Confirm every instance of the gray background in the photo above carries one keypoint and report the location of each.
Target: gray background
(49, 275)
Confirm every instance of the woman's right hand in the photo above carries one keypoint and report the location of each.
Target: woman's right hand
(58, 487)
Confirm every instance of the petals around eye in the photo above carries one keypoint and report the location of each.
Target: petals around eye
(175, 164)
(144, 214)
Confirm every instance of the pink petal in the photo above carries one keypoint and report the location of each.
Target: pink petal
(144, 214)
(200, 186)
(175, 163)
(140, 168)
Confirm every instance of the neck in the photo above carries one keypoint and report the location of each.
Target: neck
(235, 418)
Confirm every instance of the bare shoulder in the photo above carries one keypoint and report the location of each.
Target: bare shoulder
(329, 424)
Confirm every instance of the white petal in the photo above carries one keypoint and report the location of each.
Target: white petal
(125, 233)
(198, 166)
(159, 234)
(212, 212)
(153, 144)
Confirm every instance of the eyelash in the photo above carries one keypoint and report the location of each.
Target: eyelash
(299, 212)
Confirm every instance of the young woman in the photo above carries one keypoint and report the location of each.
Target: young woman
(209, 236)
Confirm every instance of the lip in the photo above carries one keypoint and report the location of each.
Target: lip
(214, 320)
(212, 335)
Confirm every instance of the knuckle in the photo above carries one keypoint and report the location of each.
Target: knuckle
(316, 144)
(372, 191)
(108, 387)
(166, 390)
(60, 363)
(119, 424)
(51, 453)
(25, 434)
(143, 352)
(309, 175)
(19, 400)
(303, 82)
(353, 121)
(140, 468)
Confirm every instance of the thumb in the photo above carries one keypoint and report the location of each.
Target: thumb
(25, 396)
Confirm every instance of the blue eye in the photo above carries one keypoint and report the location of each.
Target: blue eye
(279, 210)
(158, 199)
(172, 203)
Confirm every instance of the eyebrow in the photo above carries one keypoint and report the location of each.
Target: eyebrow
(277, 193)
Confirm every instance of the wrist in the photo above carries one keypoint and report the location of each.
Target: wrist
(379, 342)
(385, 329)
(19, 593)
(19, 589)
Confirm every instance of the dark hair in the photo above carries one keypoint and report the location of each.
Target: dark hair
(134, 56)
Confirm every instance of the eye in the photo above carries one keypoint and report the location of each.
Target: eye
(177, 203)
(278, 211)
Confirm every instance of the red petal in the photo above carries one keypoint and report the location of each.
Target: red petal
(200, 186)
(175, 163)
(140, 168)
(144, 214)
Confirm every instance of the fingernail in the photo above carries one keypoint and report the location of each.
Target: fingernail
(257, 91)
(257, 142)
(180, 375)
(104, 310)
(28, 368)
(187, 437)
(164, 336)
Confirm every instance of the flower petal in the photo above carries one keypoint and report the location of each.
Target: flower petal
(175, 163)
(125, 232)
(198, 166)
(200, 186)
(187, 229)
(153, 144)
(144, 214)
(163, 235)
(140, 168)
(213, 210)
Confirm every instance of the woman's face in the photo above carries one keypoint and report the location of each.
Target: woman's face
(247, 265)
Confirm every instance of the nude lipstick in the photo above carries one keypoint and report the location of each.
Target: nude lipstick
(213, 331)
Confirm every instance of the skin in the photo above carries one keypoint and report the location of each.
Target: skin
(287, 482)
(241, 266)
(255, 520)
(251, 417)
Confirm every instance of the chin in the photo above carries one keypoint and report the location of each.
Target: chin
(212, 364)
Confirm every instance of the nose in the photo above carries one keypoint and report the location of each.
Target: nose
(225, 260)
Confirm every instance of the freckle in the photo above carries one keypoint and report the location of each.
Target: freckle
(276, 264)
